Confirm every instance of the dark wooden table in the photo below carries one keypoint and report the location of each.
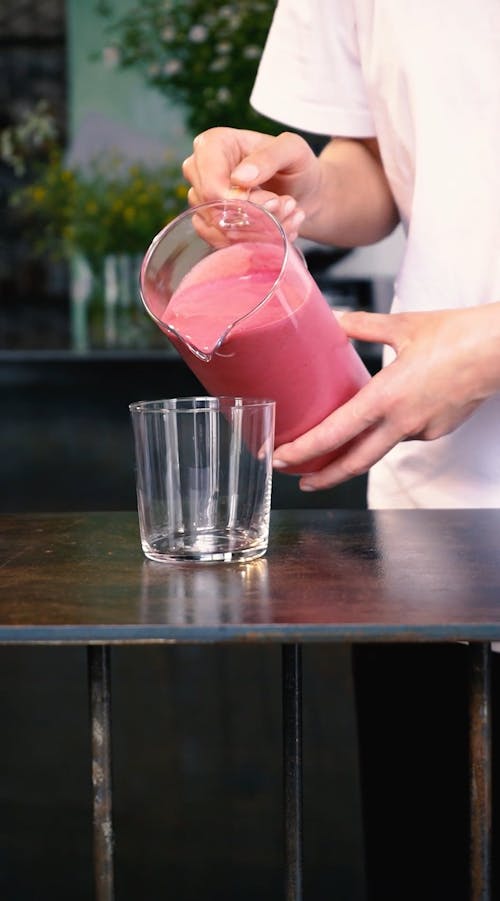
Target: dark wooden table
(340, 576)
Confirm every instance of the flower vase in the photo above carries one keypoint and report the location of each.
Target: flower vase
(87, 303)
(106, 309)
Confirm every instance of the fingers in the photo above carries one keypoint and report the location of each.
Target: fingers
(339, 428)
(355, 460)
(286, 154)
(289, 214)
(378, 327)
(293, 228)
(360, 431)
(262, 168)
(216, 153)
(285, 209)
(225, 158)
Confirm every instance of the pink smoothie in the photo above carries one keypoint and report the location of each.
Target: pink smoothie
(291, 349)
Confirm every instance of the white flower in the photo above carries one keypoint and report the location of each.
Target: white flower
(9, 155)
(219, 64)
(197, 34)
(251, 52)
(234, 21)
(226, 12)
(168, 34)
(223, 47)
(223, 95)
(110, 57)
(172, 66)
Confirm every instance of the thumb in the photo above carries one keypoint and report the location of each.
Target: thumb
(286, 154)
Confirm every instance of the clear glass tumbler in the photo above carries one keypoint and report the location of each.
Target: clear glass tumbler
(204, 477)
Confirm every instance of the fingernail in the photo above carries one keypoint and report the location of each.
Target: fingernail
(289, 206)
(306, 486)
(297, 219)
(245, 172)
(272, 204)
(279, 464)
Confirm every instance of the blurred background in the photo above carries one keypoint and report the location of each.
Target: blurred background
(99, 102)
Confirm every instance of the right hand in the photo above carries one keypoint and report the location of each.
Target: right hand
(281, 173)
(446, 365)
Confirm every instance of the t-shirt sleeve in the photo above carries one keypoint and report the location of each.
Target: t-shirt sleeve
(310, 76)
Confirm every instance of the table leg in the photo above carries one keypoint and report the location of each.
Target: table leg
(480, 771)
(100, 715)
(292, 769)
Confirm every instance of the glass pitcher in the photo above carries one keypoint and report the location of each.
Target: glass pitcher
(236, 299)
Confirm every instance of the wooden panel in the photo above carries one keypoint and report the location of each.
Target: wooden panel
(328, 575)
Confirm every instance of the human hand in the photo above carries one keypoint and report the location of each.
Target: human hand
(446, 364)
(280, 173)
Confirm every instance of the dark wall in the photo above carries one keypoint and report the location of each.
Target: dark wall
(197, 775)
(66, 440)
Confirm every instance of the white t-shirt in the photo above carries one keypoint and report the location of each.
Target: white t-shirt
(424, 78)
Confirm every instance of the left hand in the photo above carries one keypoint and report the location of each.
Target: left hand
(447, 362)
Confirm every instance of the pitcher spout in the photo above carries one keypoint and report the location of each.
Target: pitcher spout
(183, 343)
(212, 269)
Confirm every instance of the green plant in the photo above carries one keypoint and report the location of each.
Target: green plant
(109, 206)
(201, 53)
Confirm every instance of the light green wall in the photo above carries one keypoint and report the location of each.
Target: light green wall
(120, 95)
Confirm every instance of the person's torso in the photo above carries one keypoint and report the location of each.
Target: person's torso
(424, 77)
(432, 70)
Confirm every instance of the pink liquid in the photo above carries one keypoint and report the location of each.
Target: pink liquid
(291, 350)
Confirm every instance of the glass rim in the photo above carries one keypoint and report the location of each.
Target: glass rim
(199, 404)
(223, 204)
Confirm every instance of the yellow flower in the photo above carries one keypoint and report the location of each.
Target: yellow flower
(105, 209)
(38, 193)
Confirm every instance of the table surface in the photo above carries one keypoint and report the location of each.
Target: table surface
(329, 575)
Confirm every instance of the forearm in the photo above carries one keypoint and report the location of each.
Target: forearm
(352, 205)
